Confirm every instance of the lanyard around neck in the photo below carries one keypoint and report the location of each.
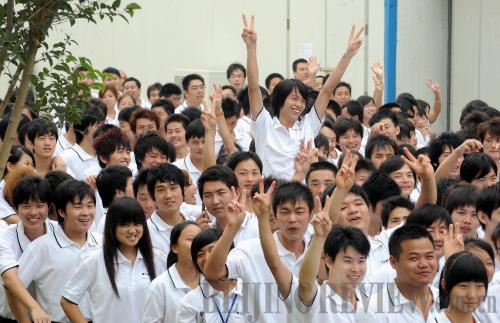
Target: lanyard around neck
(230, 309)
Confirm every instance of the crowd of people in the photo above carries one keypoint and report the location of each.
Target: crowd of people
(291, 202)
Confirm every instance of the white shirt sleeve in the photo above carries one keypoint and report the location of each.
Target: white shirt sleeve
(313, 122)
(235, 263)
(7, 257)
(29, 263)
(154, 305)
(79, 283)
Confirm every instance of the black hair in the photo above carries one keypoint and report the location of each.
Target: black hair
(172, 257)
(354, 109)
(165, 173)
(392, 203)
(110, 180)
(112, 70)
(489, 200)
(230, 108)
(268, 180)
(384, 114)
(70, 191)
(334, 107)
(217, 173)
(471, 122)
(404, 233)
(241, 156)
(233, 67)
(41, 127)
(56, 177)
(166, 105)
(272, 76)
(16, 152)
(126, 113)
(292, 193)
(170, 89)
(123, 211)
(461, 195)
(143, 114)
(353, 152)
(477, 165)
(283, 90)
(91, 116)
(393, 164)
(460, 267)
(379, 142)
(33, 188)
(202, 239)
(389, 106)
(428, 214)
(153, 87)
(406, 128)
(444, 186)
(231, 88)
(340, 238)
(411, 150)
(373, 184)
(365, 99)
(495, 236)
(133, 79)
(321, 165)
(180, 118)
(192, 113)
(109, 142)
(195, 130)
(191, 77)
(22, 130)
(322, 142)
(152, 141)
(102, 129)
(297, 62)
(474, 105)
(437, 145)
(471, 243)
(491, 127)
(139, 180)
(342, 125)
(244, 100)
(365, 164)
(342, 84)
(407, 105)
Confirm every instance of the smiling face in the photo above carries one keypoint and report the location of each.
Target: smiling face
(354, 213)
(248, 173)
(342, 95)
(491, 146)
(131, 88)
(293, 107)
(405, 180)
(121, 156)
(438, 231)
(145, 200)
(109, 99)
(350, 140)
(348, 268)
(486, 181)
(455, 171)
(128, 235)
(176, 134)
(183, 246)
(44, 145)
(33, 214)
(168, 198)
(237, 79)
(216, 197)
(466, 297)
(78, 215)
(195, 93)
(417, 264)
(293, 220)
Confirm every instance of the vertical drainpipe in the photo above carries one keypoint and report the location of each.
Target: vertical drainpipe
(390, 45)
(448, 66)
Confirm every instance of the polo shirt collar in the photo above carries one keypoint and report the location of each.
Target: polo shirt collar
(63, 241)
(283, 252)
(277, 124)
(191, 168)
(176, 279)
(208, 291)
(338, 300)
(397, 299)
(64, 143)
(120, 258)
(82, 153)
(23, 240)
(161, 225)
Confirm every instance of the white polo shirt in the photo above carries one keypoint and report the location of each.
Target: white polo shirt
(204, 304)
(132, 281)
(6, 209)
(13, 241)
(244, 125)
(328, 306)
(277, 145)
(246, 261)
(379, 252)
(78, 161)
(489, 310)
(242, 139)
(441, 317)
(390, 306)
(62, 145)
(160, 231)
(249, 229)
(194, 173)
(48, 263)
(163, 296)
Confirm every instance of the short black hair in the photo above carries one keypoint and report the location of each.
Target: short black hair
(234, 67)
(16, 152)
(166, 105)
(202, 239)
(33, 188)
(133, 79)
(140, 180)
(342, 125)
(461, 195)
(355, 189)
(354, 109)
(392, 203)
(152, 141)
(241, 156)
(495, 236)
(384, 114)
(292, 193)
(379, 141)
(109, 142)
(342, 84)
(283, 90)
(477, 165)
(192, 113)
(153, 87)
(195, 130)
(112, 70)
(365, 164)
(126, 113)
(180, 118)
(244, 100)
(437, 145)
(321, 165)
(478, 243)
(340, 238)
(165, 173)
(172, 257)
(111, 180)
(40, 127)
(393, 164)
(297, 62)
(407, 105)
(231, 88)
(90, 116)
(217, 173)
(373, 184)
(170, 89)
(444, 186)
(190, 77)
(230, 108)
(56, 177)
(489, 200)
(428, 214)
(67, 192)
(404, 233)
(272, 76)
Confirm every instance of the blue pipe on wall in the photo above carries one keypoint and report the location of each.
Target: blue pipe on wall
(390, 45)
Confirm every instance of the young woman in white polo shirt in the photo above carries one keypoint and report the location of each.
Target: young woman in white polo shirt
(462, 289)
(117, 276)
(166, 290)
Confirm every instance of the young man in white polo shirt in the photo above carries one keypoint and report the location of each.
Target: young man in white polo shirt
(277, 138)
(49, 261)
(194, 92)
(32, 198)
(409, 298)
(82, 155)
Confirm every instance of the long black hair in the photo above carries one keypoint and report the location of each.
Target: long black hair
(123, 211)
(174, 238)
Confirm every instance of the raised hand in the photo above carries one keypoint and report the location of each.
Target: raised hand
(208, 117)
(421, 166)
(346, 174)
(453, 241)
(355, 41)
(321, 221)
(203, 221)
(313, 66)
(378, 71)
(305, 157)
(249, 36)
(434, 87)
(469, 146)
(236, 212)
(216, 98)
(261, 201)
(58, 164)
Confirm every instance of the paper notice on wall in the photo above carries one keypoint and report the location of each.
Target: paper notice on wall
(305, 50)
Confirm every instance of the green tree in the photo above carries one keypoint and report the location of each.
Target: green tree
(25, 26)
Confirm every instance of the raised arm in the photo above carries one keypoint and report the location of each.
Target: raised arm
(215, 267)
(424, 170)
(324, 95)
(436, 109)
(343, 184)
(378, 80)
(309, 269)
(254, 95)
(312, 69)
(468, 146)
(262, 205)
(227, 137)
(208, 119)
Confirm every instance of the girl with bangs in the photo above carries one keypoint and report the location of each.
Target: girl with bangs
(116, 277)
